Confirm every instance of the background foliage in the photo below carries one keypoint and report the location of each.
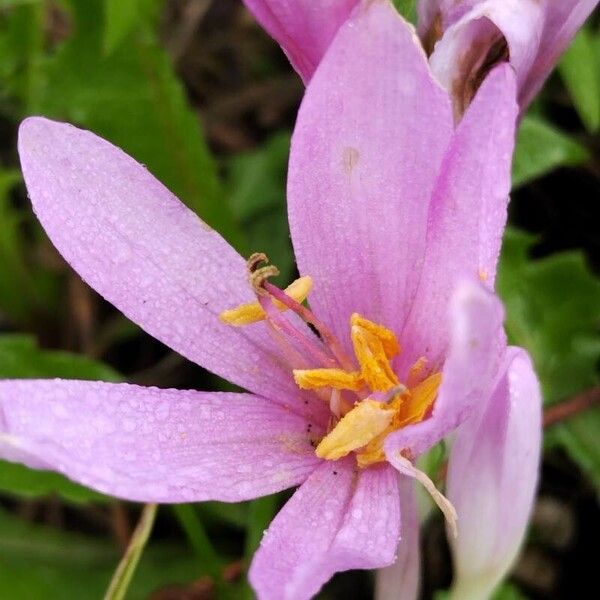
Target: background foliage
(197, 92)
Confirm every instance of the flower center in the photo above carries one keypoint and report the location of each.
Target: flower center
(367, 399)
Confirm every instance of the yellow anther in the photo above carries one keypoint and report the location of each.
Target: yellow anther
(386, 336)
(313, 379)
(253, 312)
(363, 423)
(374, 362)
(419, 402)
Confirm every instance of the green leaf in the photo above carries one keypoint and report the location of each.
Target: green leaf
(553, 310)
(256, 186)
(580, 70)
(37, 561)
(133, 98)
(20, 357)
(408, 9)
(121, 17)
(541, 148)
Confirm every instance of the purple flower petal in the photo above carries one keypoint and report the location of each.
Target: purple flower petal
(303, 28)
(467, 214)
(401, 581)
(339, 519)
(362, 169)
(563, 19)
(477, 347)
(532, 34)
(145, 252)
(492, 478)
(155, 445)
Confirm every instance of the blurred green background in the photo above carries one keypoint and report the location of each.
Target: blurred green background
(197, 91)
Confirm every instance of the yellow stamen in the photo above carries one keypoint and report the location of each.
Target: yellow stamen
(419, 402)
(408, 408)
(253, 312)
(386, 336)
(374, 362)
(312, 379)
(363, 423)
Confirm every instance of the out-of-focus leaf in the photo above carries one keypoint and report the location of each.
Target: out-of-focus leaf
(133, 98)
(73, 566)
(27, 483)
(121, 17)
(257, 190)
(541, 148)
(20, 357)
(24, 289)
(553, 310)
(580, 70)
(408, 9)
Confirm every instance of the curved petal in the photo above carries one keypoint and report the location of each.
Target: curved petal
(339, 519)
(562, 21)
(368, 143)
(303, 28)
(467, 214)
(493, 31)
(155, 445)
(401, 581)
(492, 478)
(477, 348)
(145, 252)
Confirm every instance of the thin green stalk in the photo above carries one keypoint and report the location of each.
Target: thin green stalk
(196, 534)
(122, 578)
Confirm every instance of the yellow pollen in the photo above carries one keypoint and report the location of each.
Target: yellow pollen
(253, 312)
(364, 428)
(358, 427)
(338, 379)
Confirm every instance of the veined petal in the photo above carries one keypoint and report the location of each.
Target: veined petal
(492, 478)
(401, 581)
(362, 169)
(493, 31)
(303, 28)
(147, 253)
(467, 214)
(476, 350)
(154, 445)
(339, 519)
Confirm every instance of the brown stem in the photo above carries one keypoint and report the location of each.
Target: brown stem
(571, 407)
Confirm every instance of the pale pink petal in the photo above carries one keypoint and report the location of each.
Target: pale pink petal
(492, 478)
(368, 143)
(477, 348)
(401, 581)
(155, 445)
(339, 519)
(492, 32)
(303, 28)
(148, 254)
(562, 20)
(467, 214)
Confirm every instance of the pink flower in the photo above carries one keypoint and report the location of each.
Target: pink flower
(396, 220)
(465, 38)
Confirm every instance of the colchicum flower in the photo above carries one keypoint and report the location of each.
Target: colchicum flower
(396, 221)
(465, 39)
